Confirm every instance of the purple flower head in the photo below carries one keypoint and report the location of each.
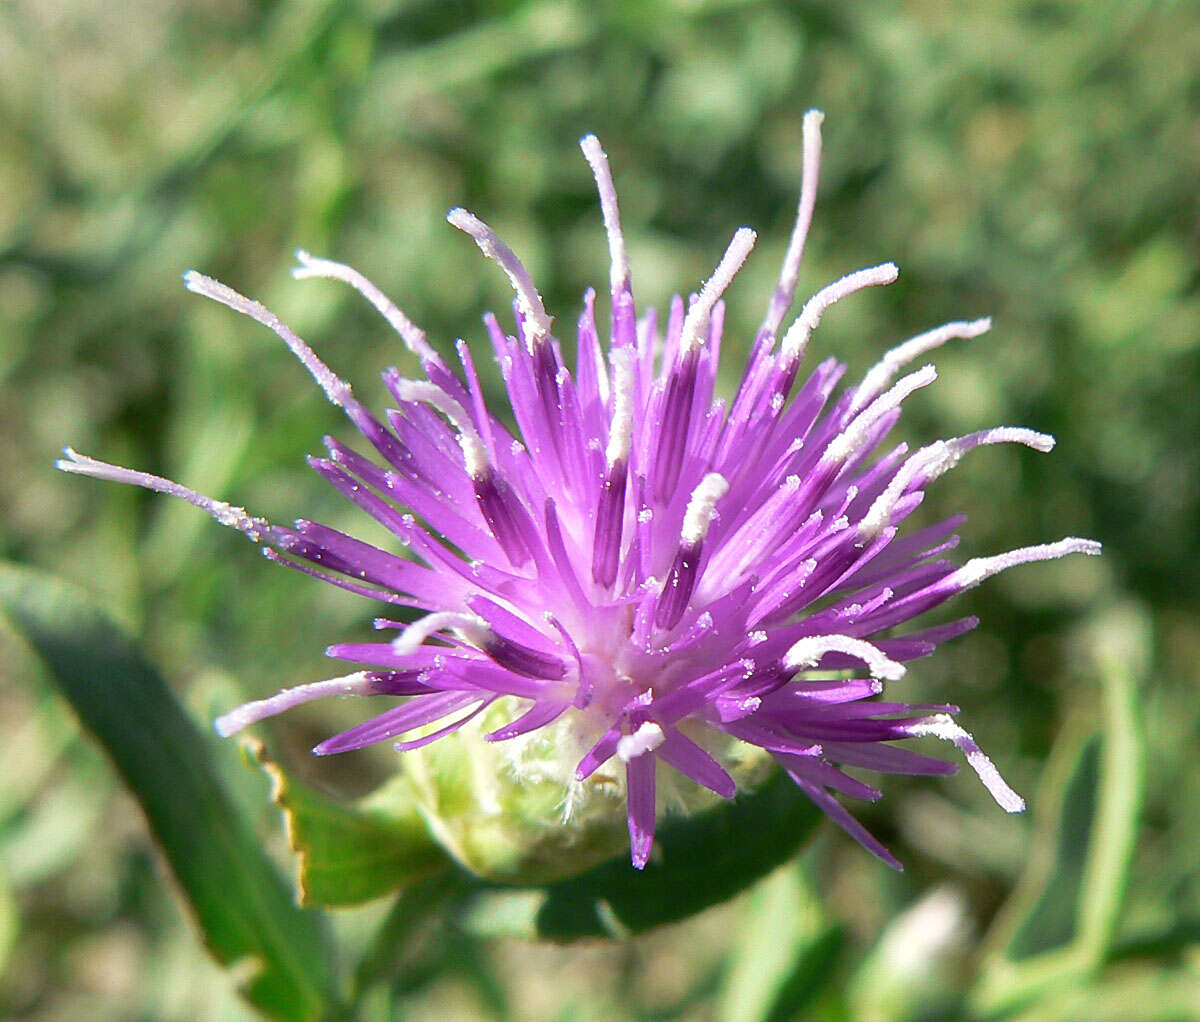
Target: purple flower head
(655, 577)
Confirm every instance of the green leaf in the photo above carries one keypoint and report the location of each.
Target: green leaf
(911, 970)
(349, 853)
(410, 947)
(813, 971)
(1058, 928)
(243, 906)
(699, 861)
(1050, 917)
(783, 954)
(10, 919)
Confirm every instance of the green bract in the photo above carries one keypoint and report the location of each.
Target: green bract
(513, 812)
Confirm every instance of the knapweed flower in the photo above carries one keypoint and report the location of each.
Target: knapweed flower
(640, 580)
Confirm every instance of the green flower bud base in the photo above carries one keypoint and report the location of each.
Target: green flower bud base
(513, 812)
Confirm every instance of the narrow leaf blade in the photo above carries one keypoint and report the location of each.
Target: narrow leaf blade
(239, 899)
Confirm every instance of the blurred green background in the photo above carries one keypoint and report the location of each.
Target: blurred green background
(1038, 161)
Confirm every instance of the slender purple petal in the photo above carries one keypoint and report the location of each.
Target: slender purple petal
(639, 788)
(415, 713)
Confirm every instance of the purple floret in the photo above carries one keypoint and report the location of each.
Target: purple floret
(673, 571)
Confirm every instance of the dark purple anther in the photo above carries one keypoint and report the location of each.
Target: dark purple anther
(678, 590)
(610, 517)
(508, 520)
(676, 416)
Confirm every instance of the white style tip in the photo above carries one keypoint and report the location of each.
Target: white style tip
(882, 373)
(807, 653)
(225, 513)
(412, 335)
(475, 453)
(696, 322)
(336, 389)
(796, 338)
(936, 460)
(943, 726)
(598, 161)
(471, 629)
(357, 684)
(530, 302)
(856, 432)
(789, 272)
(701, 508)
(620, 433)
(645, 739)
(979, 568)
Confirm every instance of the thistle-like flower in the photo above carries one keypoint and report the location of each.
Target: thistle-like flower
(653, 580)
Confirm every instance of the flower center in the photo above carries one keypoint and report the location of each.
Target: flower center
(606, 686)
